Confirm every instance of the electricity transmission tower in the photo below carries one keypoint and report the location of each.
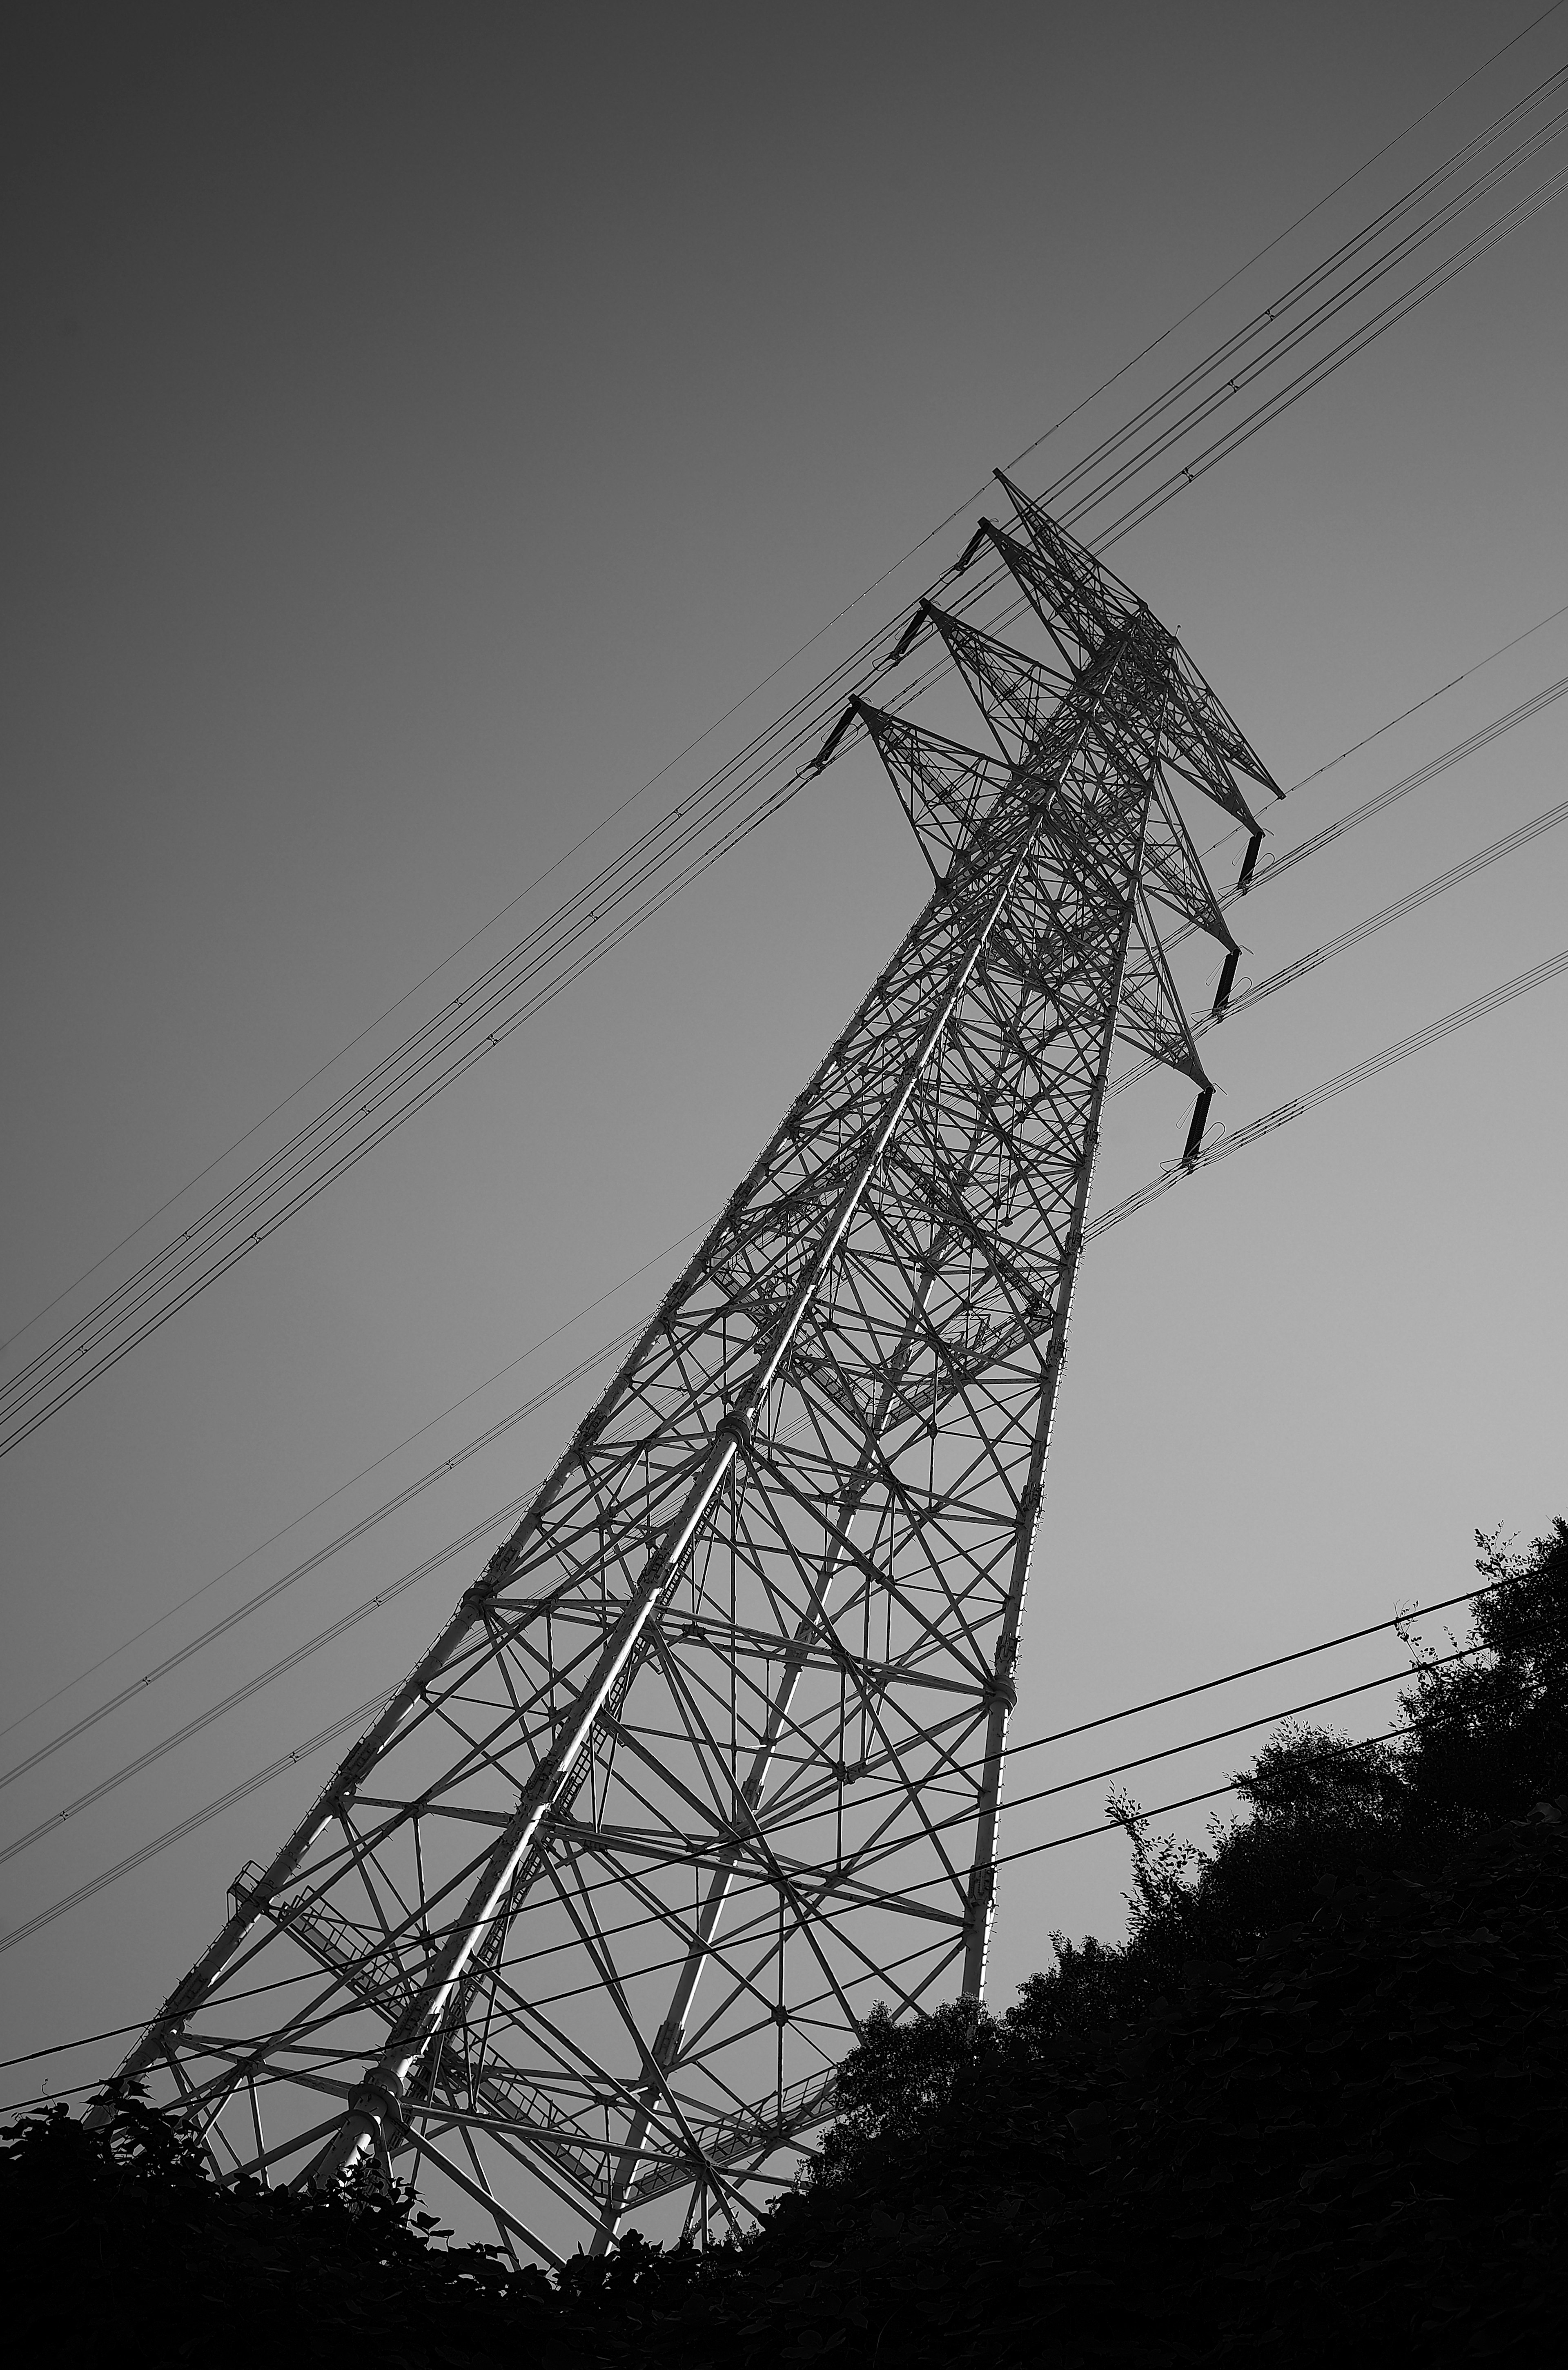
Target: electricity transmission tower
(709, 1759)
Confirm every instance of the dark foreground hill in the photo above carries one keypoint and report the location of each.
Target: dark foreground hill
(1318, 2102)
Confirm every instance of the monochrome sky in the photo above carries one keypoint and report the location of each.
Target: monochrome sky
(420, 426)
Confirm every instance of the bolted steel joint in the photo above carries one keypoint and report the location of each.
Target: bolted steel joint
(377, 2107)
(667, 2042)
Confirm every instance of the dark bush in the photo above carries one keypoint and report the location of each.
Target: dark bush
(1313, 2103)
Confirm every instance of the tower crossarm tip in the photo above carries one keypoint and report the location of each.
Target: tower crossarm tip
(1017, 694)
(945, 787)
(1081, 604)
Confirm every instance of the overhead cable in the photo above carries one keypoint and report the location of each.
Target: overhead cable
(1301, 967)
(550, 1390)
(1184, 1802)
(170, 1738)
(594, 920)
(1479, 1007)
(311, 1563)
(1254, 1670)
(1454, 877)
(276, 1768)
(961, 511)
(201, 1818)
(1271, 869)
(1150, 1192)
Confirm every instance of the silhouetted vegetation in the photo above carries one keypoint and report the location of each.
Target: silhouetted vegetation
(1314, 2100)
(1488, 1741)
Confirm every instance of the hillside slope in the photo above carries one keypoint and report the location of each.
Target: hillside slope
(1318, 2099)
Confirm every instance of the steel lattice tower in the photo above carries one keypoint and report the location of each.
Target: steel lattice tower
(709, 1759)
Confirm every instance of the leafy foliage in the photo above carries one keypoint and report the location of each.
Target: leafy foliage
(1351, 2138)
(1488, 1739)
(1491, 1736)
(1314, 2100)
(123, 2244)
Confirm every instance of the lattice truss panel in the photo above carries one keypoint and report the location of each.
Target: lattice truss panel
(709, 1760)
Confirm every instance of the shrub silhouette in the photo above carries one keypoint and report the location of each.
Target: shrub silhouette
(1314, 2102)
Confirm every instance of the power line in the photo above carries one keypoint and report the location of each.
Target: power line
(355, 1531)
(1480, 1007)
(1278, 240)
(764, 1884)
(763, 683)
(1253, 1670)
(560, 1383)
(114, 2031)
(201, 1818)
(1454, 877)
(1219, 1735)
(57, 1374)
(815, 1815)
(773, 1829)
(1483, 738)
(167, 1741)
(1286, 976)
(1425, 701)
(1372, 1065)
(1129, 1711)
(1436, 1029)
(1329, 764)
(1314, 374)
(1301, 967)
(1163, 1809)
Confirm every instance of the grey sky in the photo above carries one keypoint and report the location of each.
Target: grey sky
(419, 425)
